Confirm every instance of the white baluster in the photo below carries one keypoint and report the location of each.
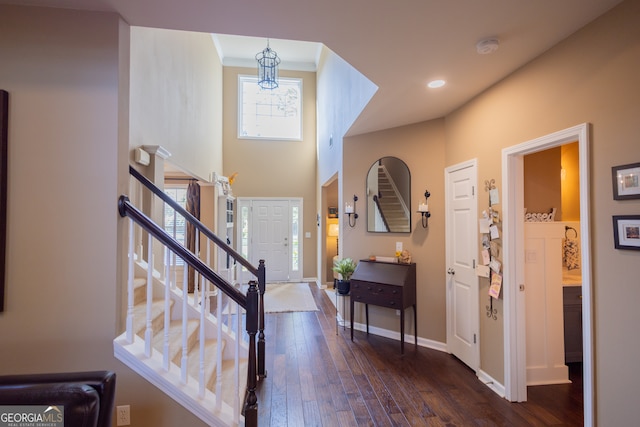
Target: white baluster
(175, 273)
(208, 300)
(167, 310)
(219, 353)
(130, 283)
(196, 275)
(148, 334)
(139, 197)
(174, 282)
(202, 343)
(237, 361)
(185, 356)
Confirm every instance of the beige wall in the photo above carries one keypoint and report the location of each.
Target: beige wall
(546, 187)
(590, 77)
(542, 190)
(570, 184)
(275, 168)
(422, 148)
(67, 76)
(176, 97)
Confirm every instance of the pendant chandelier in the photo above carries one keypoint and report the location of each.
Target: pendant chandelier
(268, 68)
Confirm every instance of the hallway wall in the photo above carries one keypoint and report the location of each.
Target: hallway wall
(590, 77)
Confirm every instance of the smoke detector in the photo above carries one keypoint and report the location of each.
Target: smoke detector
(487, 46)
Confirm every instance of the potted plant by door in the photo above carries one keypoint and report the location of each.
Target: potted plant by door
(345, 267)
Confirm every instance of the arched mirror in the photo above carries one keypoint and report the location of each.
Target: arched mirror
(389, 196)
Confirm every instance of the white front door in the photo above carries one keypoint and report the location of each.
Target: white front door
(271, 237)
(462, 248)
(269, 229)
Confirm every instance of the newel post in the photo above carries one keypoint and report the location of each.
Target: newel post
(262, 372)
(250, 409)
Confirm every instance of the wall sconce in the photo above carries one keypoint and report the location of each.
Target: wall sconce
(351, 211)
(423, 209)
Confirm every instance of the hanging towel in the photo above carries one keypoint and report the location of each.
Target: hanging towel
(570, 253)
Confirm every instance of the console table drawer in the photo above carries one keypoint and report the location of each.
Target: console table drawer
(378, 294)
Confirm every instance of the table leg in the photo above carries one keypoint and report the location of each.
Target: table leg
(402, 331)
(415, 322)
(366, 310)
(351, 309)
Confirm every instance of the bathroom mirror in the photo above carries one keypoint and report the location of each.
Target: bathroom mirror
(388, 190)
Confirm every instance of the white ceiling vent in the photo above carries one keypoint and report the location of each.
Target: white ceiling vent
(487, 46)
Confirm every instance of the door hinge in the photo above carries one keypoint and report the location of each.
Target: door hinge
(473, 190)
(474, 338)
(474, 264)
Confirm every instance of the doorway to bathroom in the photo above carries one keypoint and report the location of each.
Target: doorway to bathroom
(515, 289)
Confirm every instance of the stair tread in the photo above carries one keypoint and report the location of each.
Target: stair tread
(210, 350)
(175, 338)
(140, 312)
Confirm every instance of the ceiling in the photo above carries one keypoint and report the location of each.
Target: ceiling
(398, 45)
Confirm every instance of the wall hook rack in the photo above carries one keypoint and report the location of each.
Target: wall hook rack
(492, 313)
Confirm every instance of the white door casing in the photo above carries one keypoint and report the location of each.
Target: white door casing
(273, 234)
(513, 249)
(461, 208)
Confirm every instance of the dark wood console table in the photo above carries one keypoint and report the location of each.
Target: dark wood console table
(386, 285)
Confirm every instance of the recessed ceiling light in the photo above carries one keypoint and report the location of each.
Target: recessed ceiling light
(436, 83)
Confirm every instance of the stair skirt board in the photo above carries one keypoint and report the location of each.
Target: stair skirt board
(151, 368)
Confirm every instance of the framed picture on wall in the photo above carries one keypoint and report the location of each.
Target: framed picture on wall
(626, 181)
(626, 232)
(333, 212)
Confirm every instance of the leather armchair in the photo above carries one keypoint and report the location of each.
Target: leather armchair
(88, 397)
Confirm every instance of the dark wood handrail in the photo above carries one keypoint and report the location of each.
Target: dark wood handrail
(195, 221)
(125, 208)
(377, 202)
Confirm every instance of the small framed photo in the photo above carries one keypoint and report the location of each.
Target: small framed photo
(333, 212)
(626, 232)
(626, 181)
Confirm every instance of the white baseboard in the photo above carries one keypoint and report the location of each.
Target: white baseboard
(314, 280)
(394, 335)
(490, 382)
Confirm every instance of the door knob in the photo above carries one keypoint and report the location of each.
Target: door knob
(451, 271)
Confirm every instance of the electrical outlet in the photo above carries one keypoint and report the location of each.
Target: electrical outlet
(123, 415)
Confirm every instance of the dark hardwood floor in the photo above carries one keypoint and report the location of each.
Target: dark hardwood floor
(318, 378)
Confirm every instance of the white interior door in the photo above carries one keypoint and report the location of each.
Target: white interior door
(462, 248)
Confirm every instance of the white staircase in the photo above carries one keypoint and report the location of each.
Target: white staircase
(193, 356)
(204, 349)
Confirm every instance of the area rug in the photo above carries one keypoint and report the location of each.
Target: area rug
(288, 297)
